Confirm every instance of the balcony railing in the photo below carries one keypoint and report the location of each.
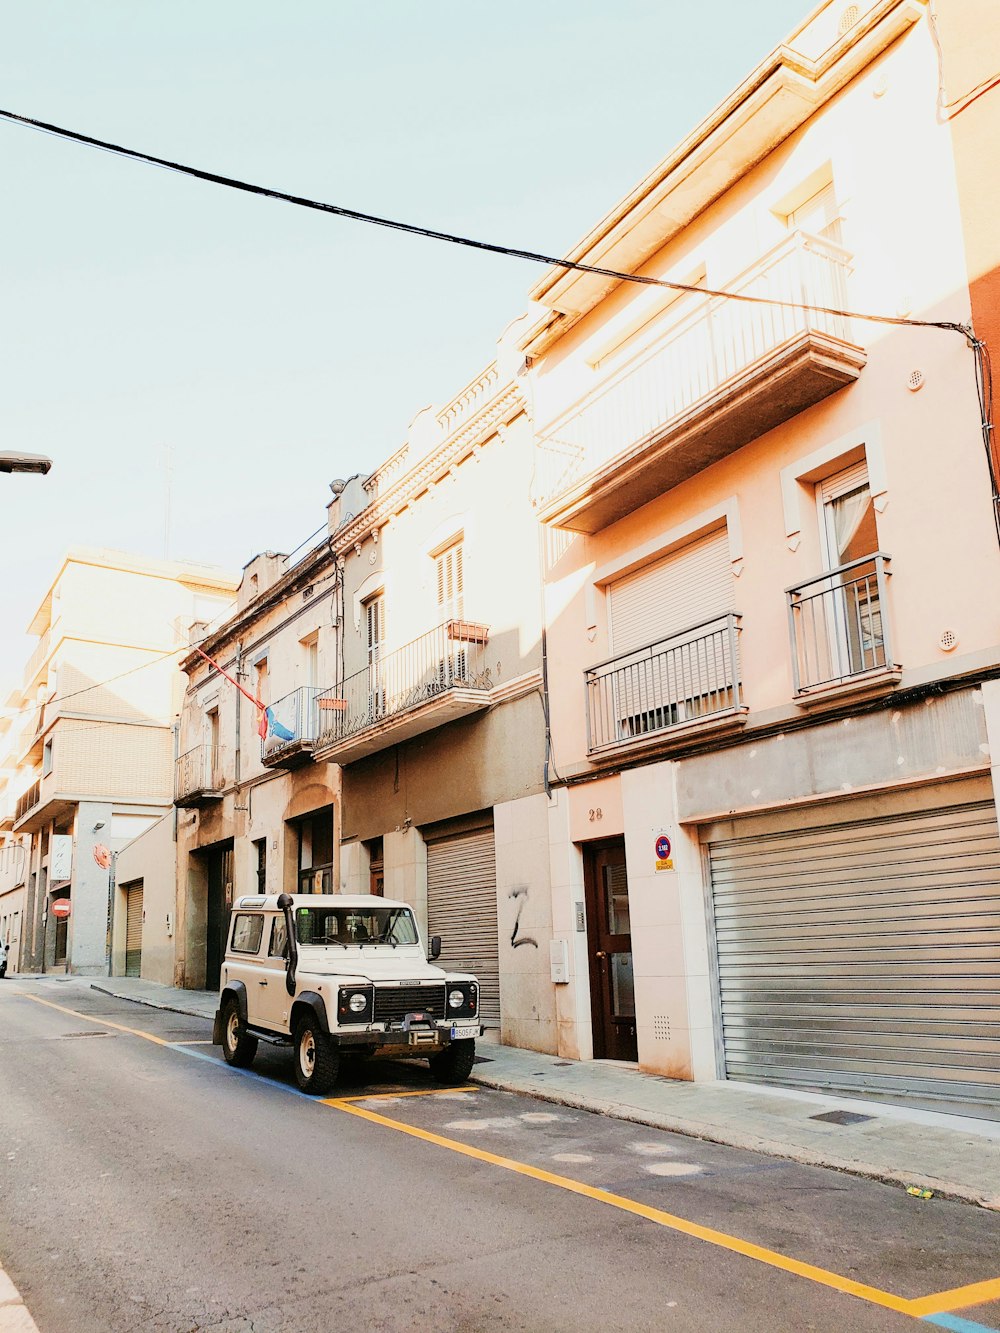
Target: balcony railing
(681, 680)
(28, 801)
(296, 720)
(450, 660)
(198, 775)
(38, 656)
(838, 625)
(707, 358)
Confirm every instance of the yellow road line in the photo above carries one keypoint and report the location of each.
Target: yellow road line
(100, 1022)
(657, 1215)
(384, 1096)
(959, 1298)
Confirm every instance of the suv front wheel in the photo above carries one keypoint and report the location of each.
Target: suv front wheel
(316, 1058)
(238, 1046)
(454, 1064)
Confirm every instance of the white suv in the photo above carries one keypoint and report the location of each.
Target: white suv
(341, 975)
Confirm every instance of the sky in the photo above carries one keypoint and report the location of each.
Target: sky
(257, 350)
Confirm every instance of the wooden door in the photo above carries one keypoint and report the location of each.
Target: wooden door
(609, 937)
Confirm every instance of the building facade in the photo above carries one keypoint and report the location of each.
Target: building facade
(91, 756)
(438, 721)
(771, 590)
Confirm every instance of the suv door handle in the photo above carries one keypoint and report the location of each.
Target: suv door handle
(261, 983)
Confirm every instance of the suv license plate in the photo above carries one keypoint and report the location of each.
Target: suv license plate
(460, 1033)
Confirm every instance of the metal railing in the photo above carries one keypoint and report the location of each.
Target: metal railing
(694, 674)
(716, 341)
(296, 719)
(837, 623)
(198, 770)
(28, 801)
(38, 656)
(451, 656)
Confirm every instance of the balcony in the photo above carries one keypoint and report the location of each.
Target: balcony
(291, 741)
(668, 691)
(439, 677)
(27, 802)
(725, 375)
(839, 630)
(198, 777)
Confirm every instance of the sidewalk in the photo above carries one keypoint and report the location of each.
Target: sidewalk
(952, 1155)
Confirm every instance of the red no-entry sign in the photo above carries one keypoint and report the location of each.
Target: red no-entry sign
(61, 907)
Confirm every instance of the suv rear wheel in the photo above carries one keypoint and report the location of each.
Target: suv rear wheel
(238, 1046)
(316, 1059)
(454, 1064)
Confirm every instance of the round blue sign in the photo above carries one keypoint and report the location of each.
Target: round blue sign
(662, 847)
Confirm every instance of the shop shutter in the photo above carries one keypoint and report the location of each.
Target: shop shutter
(690, 586)
(864, 955)
(133, 930)
(462, 909)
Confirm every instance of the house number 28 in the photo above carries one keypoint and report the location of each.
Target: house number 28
(596, 814)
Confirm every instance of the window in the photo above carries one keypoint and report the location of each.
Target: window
(450, 583)
(310, 648)
(853, 614)
(819, 215)
(247, 931)
(375, 632)
(260, 846)
(46, 758)
(279, 938)
(316, 853)
(260, 672)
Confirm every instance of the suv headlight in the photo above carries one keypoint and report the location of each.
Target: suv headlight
(355, 1004)
(463, 999)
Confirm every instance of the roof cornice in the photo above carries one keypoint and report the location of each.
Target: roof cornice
(499, 411)
(764, 110)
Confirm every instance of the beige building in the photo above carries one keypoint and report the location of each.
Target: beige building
(92, 762)
(438, 718)
(771, 593)
(255, 814)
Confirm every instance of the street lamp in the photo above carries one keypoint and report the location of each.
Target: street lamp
(10, 462)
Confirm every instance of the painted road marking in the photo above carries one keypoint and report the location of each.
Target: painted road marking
(932, 1309)
(418, 1092)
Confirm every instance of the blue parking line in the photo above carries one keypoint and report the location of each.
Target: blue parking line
(956, 1323)
(244, 1073)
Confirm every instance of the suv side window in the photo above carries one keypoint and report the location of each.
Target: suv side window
(279, 938)
(247, 931)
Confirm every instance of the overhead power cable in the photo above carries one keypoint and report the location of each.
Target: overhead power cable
(452, 238)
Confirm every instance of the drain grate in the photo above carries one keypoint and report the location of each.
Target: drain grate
(842, 1118)
(562, 1064)
(90, 1033)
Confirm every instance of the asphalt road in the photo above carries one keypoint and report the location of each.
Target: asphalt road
(145, 1185)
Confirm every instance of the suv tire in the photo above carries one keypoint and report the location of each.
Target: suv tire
(454, 1064)
(238, 1046)
(317, 1062)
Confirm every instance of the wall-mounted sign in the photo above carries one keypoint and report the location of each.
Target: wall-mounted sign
(60, 857)
(61, 907)
(102, 855)
(662, 850)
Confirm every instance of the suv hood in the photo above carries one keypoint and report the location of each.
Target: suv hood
(369, 964)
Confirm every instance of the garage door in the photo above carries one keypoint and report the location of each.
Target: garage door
(462, 909)
(864, 955)
(133, 930)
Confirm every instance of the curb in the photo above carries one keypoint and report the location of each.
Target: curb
(148, 1004)
(14, 1314)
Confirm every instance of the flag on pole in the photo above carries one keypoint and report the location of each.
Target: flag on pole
(267, 723)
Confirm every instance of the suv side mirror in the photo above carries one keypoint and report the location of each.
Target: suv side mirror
(435, 946)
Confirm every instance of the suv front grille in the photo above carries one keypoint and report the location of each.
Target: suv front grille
(393, 1003)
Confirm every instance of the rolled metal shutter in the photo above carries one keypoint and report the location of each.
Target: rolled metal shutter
(688, 587)
(462, 909)
(864, 955)
(133, 930)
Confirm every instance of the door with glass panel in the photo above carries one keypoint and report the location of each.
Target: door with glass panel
(854, 612)
(609, 937)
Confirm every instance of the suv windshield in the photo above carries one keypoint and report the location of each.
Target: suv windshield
(352, 925)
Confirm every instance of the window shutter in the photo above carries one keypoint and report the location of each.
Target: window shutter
(690, 586)
(842, 483)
